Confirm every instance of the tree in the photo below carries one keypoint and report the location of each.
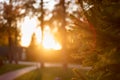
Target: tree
(9, 17)
(107, 30)
(32, 51)
(11, 12)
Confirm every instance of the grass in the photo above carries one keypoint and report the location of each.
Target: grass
(47, 74)
(10, 67)
(50, 73)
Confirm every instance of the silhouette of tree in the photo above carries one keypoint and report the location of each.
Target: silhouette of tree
(104, 16)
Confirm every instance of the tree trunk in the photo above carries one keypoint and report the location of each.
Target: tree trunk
(42, 28)
(65, 62)
(10, 47)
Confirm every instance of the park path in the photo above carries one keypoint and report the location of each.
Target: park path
(55, 65)
(14, 74)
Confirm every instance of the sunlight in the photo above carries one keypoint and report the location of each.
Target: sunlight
(38, 34)
(48, 41)
(29, 26)
(49, 4)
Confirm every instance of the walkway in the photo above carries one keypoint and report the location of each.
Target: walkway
(12, 75)
(55, 65)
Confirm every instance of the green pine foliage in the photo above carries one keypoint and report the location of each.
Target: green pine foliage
(104, 15)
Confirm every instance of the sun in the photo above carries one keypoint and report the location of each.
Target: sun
(30, 26)
(49, 41)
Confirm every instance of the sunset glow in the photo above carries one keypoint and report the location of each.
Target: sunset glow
(30, 26)
(27, 29)
(48, 40)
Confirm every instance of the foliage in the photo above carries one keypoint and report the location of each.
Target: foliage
(32, 51)
(11, 12)
(4, 35)
(107, 53)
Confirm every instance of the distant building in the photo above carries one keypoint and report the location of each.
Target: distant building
(4, 50)
(23, 54)
(20, 53)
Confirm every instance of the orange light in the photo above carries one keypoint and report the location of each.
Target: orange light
(29, 26)
(49, 41)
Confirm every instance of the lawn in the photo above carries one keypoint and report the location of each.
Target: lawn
(10, 67)
(51, 73)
